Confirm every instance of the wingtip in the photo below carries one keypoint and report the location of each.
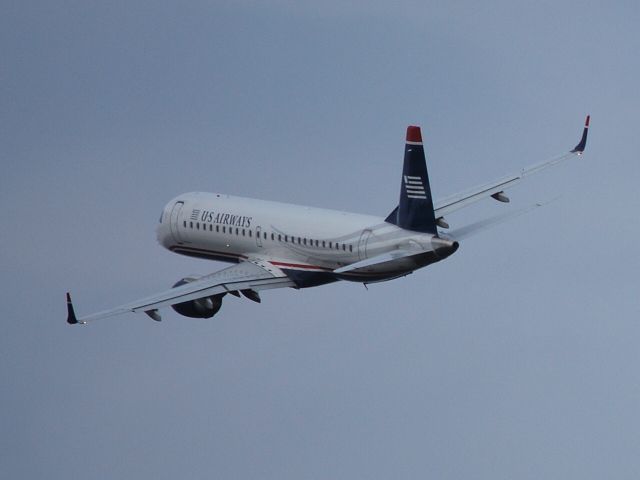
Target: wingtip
(583, 141)
(71, 314)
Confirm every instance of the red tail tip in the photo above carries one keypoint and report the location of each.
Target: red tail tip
(414, 134)
(586, 123)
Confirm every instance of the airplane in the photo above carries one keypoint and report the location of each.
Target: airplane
(277, 245)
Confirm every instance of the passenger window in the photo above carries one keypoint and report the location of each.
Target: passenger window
(185, 224)
(210, 228)
(217, 228)
(250, 233)
(344, 247)
(305, 241)
(224, 229)
(279, 237)
(286, 238)
(323, 244)
(197, 225)
(272, 237)
(351, 248)
(190, 224)
(243, 232)
(264, 235)
(237, 231)
(330, 244)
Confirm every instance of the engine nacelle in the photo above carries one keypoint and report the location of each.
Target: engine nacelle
(205, 307)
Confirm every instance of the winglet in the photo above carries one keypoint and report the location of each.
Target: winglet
(71, 314)
(583, 141)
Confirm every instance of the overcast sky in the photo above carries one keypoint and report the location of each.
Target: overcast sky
(517, 357)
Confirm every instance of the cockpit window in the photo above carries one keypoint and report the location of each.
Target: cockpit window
(160, 221)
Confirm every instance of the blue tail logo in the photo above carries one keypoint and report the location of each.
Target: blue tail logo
(414, 186)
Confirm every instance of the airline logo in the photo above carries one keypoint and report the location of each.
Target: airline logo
(220, 218)
(415, 187)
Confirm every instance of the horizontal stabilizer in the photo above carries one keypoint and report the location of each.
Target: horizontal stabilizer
(377, 260)
(440, 248)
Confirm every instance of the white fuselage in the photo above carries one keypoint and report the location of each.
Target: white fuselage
(291, 237)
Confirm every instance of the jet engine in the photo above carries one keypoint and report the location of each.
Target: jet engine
(205, 307)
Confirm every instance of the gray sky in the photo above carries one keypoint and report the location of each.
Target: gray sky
(515, 358)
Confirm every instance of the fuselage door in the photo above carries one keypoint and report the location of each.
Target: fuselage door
(259, 236)
(174, 223)
(362, 244)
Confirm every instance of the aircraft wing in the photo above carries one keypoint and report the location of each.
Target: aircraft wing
(249, 275)
(495, 189)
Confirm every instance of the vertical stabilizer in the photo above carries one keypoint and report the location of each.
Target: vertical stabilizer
(415, 210)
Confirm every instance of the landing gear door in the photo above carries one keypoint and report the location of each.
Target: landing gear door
(174, 222)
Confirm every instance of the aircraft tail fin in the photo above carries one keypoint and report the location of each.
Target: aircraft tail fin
(415, 210)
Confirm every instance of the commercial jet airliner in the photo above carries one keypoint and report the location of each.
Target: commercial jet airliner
(276, 245)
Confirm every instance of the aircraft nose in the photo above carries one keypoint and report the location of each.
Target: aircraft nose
(443, 246)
